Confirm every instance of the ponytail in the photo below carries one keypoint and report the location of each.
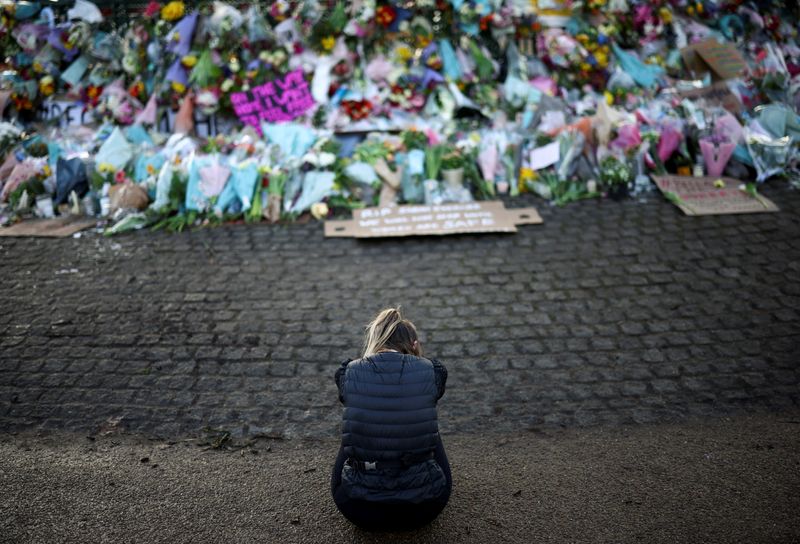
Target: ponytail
(390, 331)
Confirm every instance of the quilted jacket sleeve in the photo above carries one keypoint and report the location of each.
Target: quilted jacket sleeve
(440, 374)
(339, 377)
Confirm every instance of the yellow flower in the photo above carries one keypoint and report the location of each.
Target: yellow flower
(328, 42)
(106, 168)
(47, 85)
(47, 171)
(699, 7)
(666, 15)
(609, 98)
(178, 87)
(690, 10)
(719, 184)
(404, 52)
(526, 174)
(602, 59)
(586, 67)
(151, 170)
(173, 11)
(189, 61)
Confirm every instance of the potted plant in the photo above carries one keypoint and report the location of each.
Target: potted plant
(453, 168)
(615, 176)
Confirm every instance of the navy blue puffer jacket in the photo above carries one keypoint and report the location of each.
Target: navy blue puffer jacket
(390, 416)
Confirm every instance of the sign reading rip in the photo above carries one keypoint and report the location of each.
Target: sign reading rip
(423, 220)
(276, 101)
(706, 196)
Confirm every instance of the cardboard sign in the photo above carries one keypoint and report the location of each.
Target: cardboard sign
(59, 227)
(276, 101)
(717, 94)
(700, 196)
(422, 220)
(723, 60)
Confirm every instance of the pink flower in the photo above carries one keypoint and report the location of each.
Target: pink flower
(152, 9)
(119, 177)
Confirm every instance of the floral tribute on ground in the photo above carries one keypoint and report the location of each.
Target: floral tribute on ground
(196, 113)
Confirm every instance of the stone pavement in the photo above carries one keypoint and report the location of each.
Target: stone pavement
(608, 313)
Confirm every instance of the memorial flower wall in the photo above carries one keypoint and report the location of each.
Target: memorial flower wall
(544, 96)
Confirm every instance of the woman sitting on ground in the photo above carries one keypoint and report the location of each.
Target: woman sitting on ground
(391, 472)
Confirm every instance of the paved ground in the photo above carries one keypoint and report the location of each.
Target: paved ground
(608, 313)
(722, 480)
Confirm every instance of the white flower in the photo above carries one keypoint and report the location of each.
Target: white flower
(326, 159)
(319, 210)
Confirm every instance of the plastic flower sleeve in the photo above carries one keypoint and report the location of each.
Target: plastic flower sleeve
(22, 172)
(770, 155)
(148, 115)
(206, 179)
(716, 155)
(646, 75)
(163, 186)
(184, 120)
(86, 11)
(70, 176)
(316, 186)
(177, 75)
(488, 159)
(116, 150)
(179, 40)
(147, 165)
(74, 74)
(570, 144)
(293, 139)
(668, 142)
(257, 27)
(238, 192)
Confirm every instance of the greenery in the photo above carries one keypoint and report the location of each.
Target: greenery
(614, 172)
(414, 139)
(564, 192)
(452, 160)
(433, 161)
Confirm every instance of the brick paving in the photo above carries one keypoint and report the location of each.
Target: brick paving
(608, 313)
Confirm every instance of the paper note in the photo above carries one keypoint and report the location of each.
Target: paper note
(545, 156)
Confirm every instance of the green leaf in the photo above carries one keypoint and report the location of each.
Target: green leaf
(338, 18)
(205, 72)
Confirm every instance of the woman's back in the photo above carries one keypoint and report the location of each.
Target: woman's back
(390, 407)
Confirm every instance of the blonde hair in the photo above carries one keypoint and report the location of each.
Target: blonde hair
(390, 331)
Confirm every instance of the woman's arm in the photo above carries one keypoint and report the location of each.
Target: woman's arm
(339, 377)
(440, 374)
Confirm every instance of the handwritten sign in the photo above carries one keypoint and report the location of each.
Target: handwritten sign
(64, 113)
(276, 101)
(716, 94)
(702, 196)
(722, 59)
(423, 220)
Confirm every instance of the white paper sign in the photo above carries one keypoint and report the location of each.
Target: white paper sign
(545, 156)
